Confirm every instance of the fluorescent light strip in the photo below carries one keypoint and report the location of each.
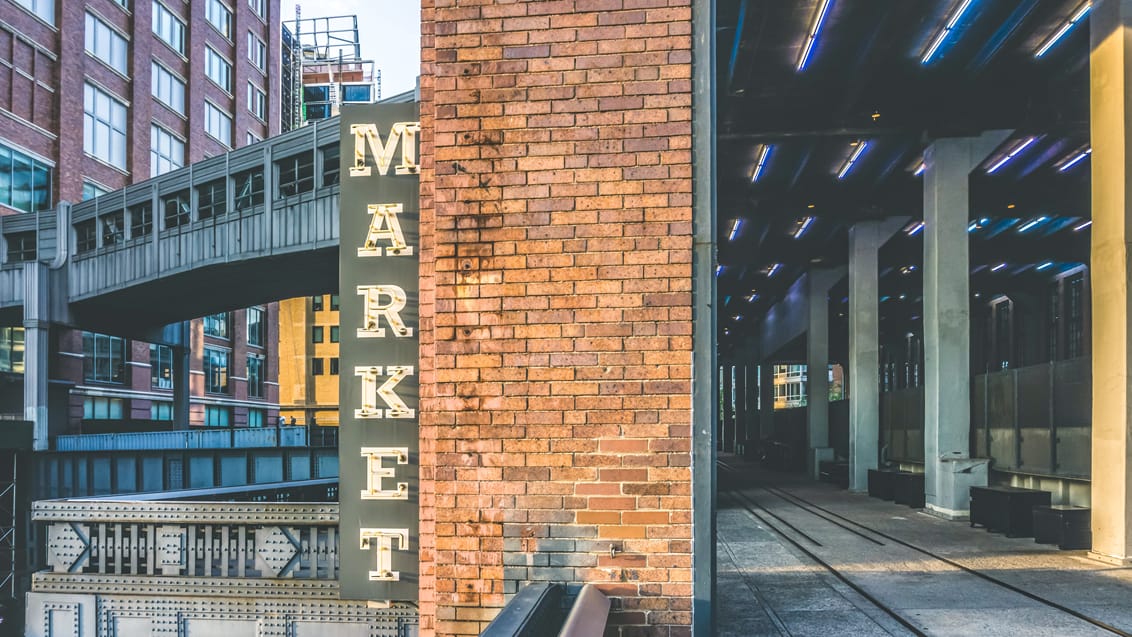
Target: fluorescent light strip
(1073, 162)
(1052, 40)
(806, 223)
(763, 156)
(1082, 226)
(773, 269)
(916, 229)
(939, 38)
(1030, 224)
(812, 38)
(920, 169)
(736, 226)
(1043, 266)
(1019, 147)
(998, 267)
(752, 297)
(861, 146)
(718, 270)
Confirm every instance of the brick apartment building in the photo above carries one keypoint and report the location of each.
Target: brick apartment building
(100, 94)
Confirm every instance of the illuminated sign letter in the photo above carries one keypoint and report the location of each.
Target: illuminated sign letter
(383, 225)
(382, 539)
(371, 392)
(366, 134)
(374, 310)
(375, 473)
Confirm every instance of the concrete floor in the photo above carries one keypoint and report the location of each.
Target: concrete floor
(767, 586)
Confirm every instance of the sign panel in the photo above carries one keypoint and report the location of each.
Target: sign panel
(379, 291)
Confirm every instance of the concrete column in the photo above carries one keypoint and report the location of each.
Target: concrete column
(950, 472)
(817, 363)
(37, 344)
(1110, 69)
(864, 352)
(766, 399)
(181, 377)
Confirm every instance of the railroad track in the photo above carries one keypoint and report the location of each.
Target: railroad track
(812, 548)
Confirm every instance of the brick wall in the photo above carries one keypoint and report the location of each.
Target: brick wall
(556, 307)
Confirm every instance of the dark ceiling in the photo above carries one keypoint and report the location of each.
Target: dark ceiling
(865, 82)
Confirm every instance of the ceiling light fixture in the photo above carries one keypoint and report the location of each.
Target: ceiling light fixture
(1065, 27)
(849, 163)
(1045, 265)
(920, 169)
(1081, 226)
(812, 37)
(998, 267)
(806, 223)
(773, 269)
(1031, 223)
(1076, 159)
(915, 229)
(764, 154)
(1018, 148)
(736, 226)
(948, 27)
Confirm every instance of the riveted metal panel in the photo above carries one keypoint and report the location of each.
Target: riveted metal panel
(380, 354)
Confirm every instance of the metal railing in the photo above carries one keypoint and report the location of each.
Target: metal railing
(238, 438)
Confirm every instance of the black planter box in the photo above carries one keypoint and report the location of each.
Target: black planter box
(1009, 510)
(881, 484)
(908, 488)
(1066, 526)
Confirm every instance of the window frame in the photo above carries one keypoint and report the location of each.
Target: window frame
(94, 121)
(157, 136)
(260, 330)
(118, 61)
(212, 111)
(257, 102)
(217, 379)
(95, 344)
(225, 16)
(159, 11)
(161, 360)
(158, 74)
(318, 334)
(257, 387)
(257, 52)
(213, 61)
(222, 320)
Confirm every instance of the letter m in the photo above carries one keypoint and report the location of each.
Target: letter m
(367, 135)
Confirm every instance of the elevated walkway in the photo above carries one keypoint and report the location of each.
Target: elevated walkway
(801, 557)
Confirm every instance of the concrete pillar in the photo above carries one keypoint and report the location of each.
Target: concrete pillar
(181, 377)
(817, 363)
(949, 470)
(37, 344)
(1110, 69)
(864, 352)
(766, 400)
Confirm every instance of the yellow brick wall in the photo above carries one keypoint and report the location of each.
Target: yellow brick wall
(301, 394)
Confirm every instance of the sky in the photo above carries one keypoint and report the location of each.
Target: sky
(389, 31)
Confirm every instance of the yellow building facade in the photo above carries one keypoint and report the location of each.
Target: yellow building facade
(308, 360)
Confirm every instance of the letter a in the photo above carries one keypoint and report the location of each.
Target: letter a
(383, 225)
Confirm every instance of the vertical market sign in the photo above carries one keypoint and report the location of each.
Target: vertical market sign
(379, 288)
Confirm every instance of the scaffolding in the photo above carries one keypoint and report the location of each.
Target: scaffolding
(325, 67)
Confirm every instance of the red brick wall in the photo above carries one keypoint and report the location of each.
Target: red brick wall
(556, 307)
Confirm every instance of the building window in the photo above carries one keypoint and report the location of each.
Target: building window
(333, 333)
(106, 44)
(113, 228)
(212, 198)
(216, 364)
(255, 375)
(141, 219)
(104, 127)
(257, 6)
(220, 17)
(249, 189)
(45, 9)
(333, 302)
(161, 410)
(92, 190)
(177, 209)
(99, 408)
(218, 69)
(216, 325)
(86, 236)
(359, 93)
(25, 183)
(168, 27)
(331, 165)
(334, 367)
(104, 358)
(161, 367)
(296, 174)
(316, 334)
(217, 416)
(21, 246)
(257, 51)
(257, 101)
(256, 417)
(166, 151)
(316, 303)
(316, 367)
(256, 326)
(168, 88)
(218, 124)
(12, 350)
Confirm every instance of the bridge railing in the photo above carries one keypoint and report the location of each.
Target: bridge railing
(189, 439)
(189, 539)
